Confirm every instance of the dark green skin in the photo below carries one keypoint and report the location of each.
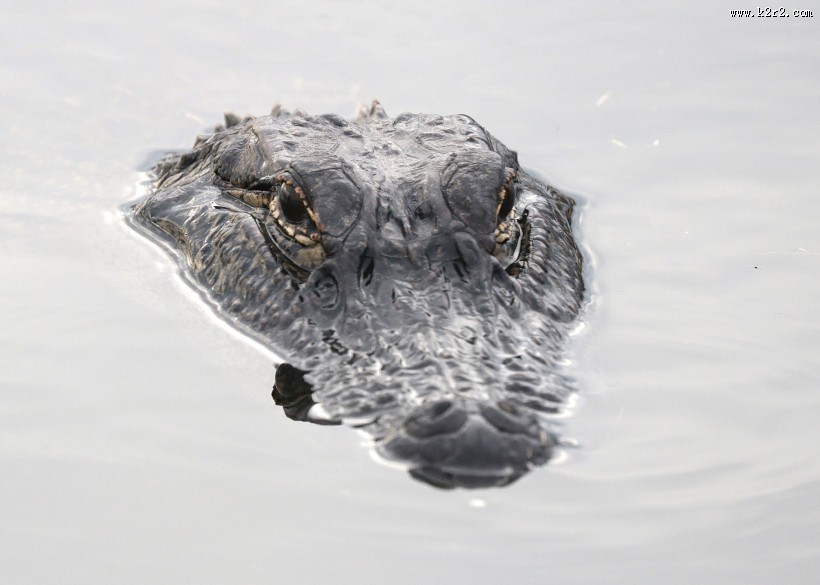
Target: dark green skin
(402, 308)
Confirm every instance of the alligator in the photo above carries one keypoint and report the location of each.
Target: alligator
(418, 283)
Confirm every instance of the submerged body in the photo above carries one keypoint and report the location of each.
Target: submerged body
(418, 283)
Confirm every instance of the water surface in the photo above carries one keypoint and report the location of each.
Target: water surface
(137, 436)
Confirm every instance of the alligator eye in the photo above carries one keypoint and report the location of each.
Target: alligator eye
(508, 230)
(289, 207)
(293, 209)
(507, 198)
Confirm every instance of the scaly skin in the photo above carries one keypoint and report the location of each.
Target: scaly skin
(419, 284)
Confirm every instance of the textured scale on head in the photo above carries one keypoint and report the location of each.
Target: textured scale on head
(417, 281)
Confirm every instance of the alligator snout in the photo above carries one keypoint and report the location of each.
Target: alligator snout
(469, 443)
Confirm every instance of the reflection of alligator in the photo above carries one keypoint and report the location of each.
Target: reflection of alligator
(418, 282)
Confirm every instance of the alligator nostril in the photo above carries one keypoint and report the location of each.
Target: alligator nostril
(507, 407)
(441, 407)
(508, 418)
(440, 418)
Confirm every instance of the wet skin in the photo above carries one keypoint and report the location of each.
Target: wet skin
(419, 284)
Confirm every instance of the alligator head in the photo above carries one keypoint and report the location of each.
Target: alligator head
(419, 284)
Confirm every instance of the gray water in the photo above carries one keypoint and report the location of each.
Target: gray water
(138, 441)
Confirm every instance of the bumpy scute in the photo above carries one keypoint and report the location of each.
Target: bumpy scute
(416, 281)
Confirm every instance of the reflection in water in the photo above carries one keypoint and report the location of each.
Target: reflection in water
(419, 283)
